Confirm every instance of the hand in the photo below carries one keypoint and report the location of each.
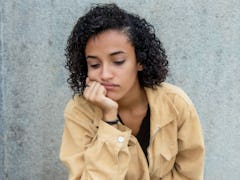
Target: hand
(96, 93)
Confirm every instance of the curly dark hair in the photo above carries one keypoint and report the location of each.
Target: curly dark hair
(101, 17)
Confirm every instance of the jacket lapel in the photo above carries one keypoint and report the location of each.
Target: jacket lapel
(163, 112)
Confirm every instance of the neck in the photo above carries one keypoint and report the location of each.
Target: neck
(136, 99)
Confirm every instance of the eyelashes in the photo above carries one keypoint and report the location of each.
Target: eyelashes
(98, 65)
(119, 62)
(95, 66)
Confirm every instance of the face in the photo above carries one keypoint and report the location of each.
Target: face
(111, 61)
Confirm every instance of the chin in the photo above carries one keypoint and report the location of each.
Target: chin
(113, 96)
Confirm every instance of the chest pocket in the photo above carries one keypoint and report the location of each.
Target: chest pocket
(164, 149)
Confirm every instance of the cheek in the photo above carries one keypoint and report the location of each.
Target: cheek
(92, 75)
(129, 76)
(132, 72)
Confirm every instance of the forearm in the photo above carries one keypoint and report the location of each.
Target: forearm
(98, 156)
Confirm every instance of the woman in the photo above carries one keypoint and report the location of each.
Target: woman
(124, 121)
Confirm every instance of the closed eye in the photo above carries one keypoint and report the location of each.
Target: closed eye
(94, 66)
(119, 62)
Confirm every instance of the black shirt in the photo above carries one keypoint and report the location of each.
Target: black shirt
(143, 135)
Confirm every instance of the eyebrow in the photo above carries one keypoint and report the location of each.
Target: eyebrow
(111, 54)
(116, 53)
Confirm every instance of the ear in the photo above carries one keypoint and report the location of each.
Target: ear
(139, 67)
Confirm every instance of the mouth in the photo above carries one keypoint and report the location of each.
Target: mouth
(109, 86)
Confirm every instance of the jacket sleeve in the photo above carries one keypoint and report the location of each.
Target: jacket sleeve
(91, 152)
(189, 162)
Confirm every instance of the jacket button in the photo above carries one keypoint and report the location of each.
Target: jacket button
(120, 139)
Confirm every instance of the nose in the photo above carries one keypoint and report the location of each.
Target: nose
(106, 73)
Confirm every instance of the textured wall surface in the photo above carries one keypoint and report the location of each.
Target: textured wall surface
(202, 40)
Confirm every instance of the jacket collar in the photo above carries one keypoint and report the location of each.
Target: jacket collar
(162, 109)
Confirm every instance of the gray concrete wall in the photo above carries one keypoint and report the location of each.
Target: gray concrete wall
(202, 39)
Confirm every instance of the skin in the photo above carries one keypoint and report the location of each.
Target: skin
(112, 81)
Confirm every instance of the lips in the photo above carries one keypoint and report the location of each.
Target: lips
(109, 86)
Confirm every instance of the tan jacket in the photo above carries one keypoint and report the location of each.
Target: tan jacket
(92, 149)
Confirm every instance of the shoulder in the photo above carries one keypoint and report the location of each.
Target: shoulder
(79, 106)
(170, 102)
(76, 102)
(175, 92)
(170, 94)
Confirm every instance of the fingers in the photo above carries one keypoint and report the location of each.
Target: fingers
(93, 94)
(88, 90)
(94, 91)
(87, 80)
(96, 94)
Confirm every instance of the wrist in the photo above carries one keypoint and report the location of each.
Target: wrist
(110, 115)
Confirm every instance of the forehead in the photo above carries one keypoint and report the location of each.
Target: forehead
(108, 41)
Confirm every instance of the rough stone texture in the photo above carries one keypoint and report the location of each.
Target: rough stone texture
(202, 40)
